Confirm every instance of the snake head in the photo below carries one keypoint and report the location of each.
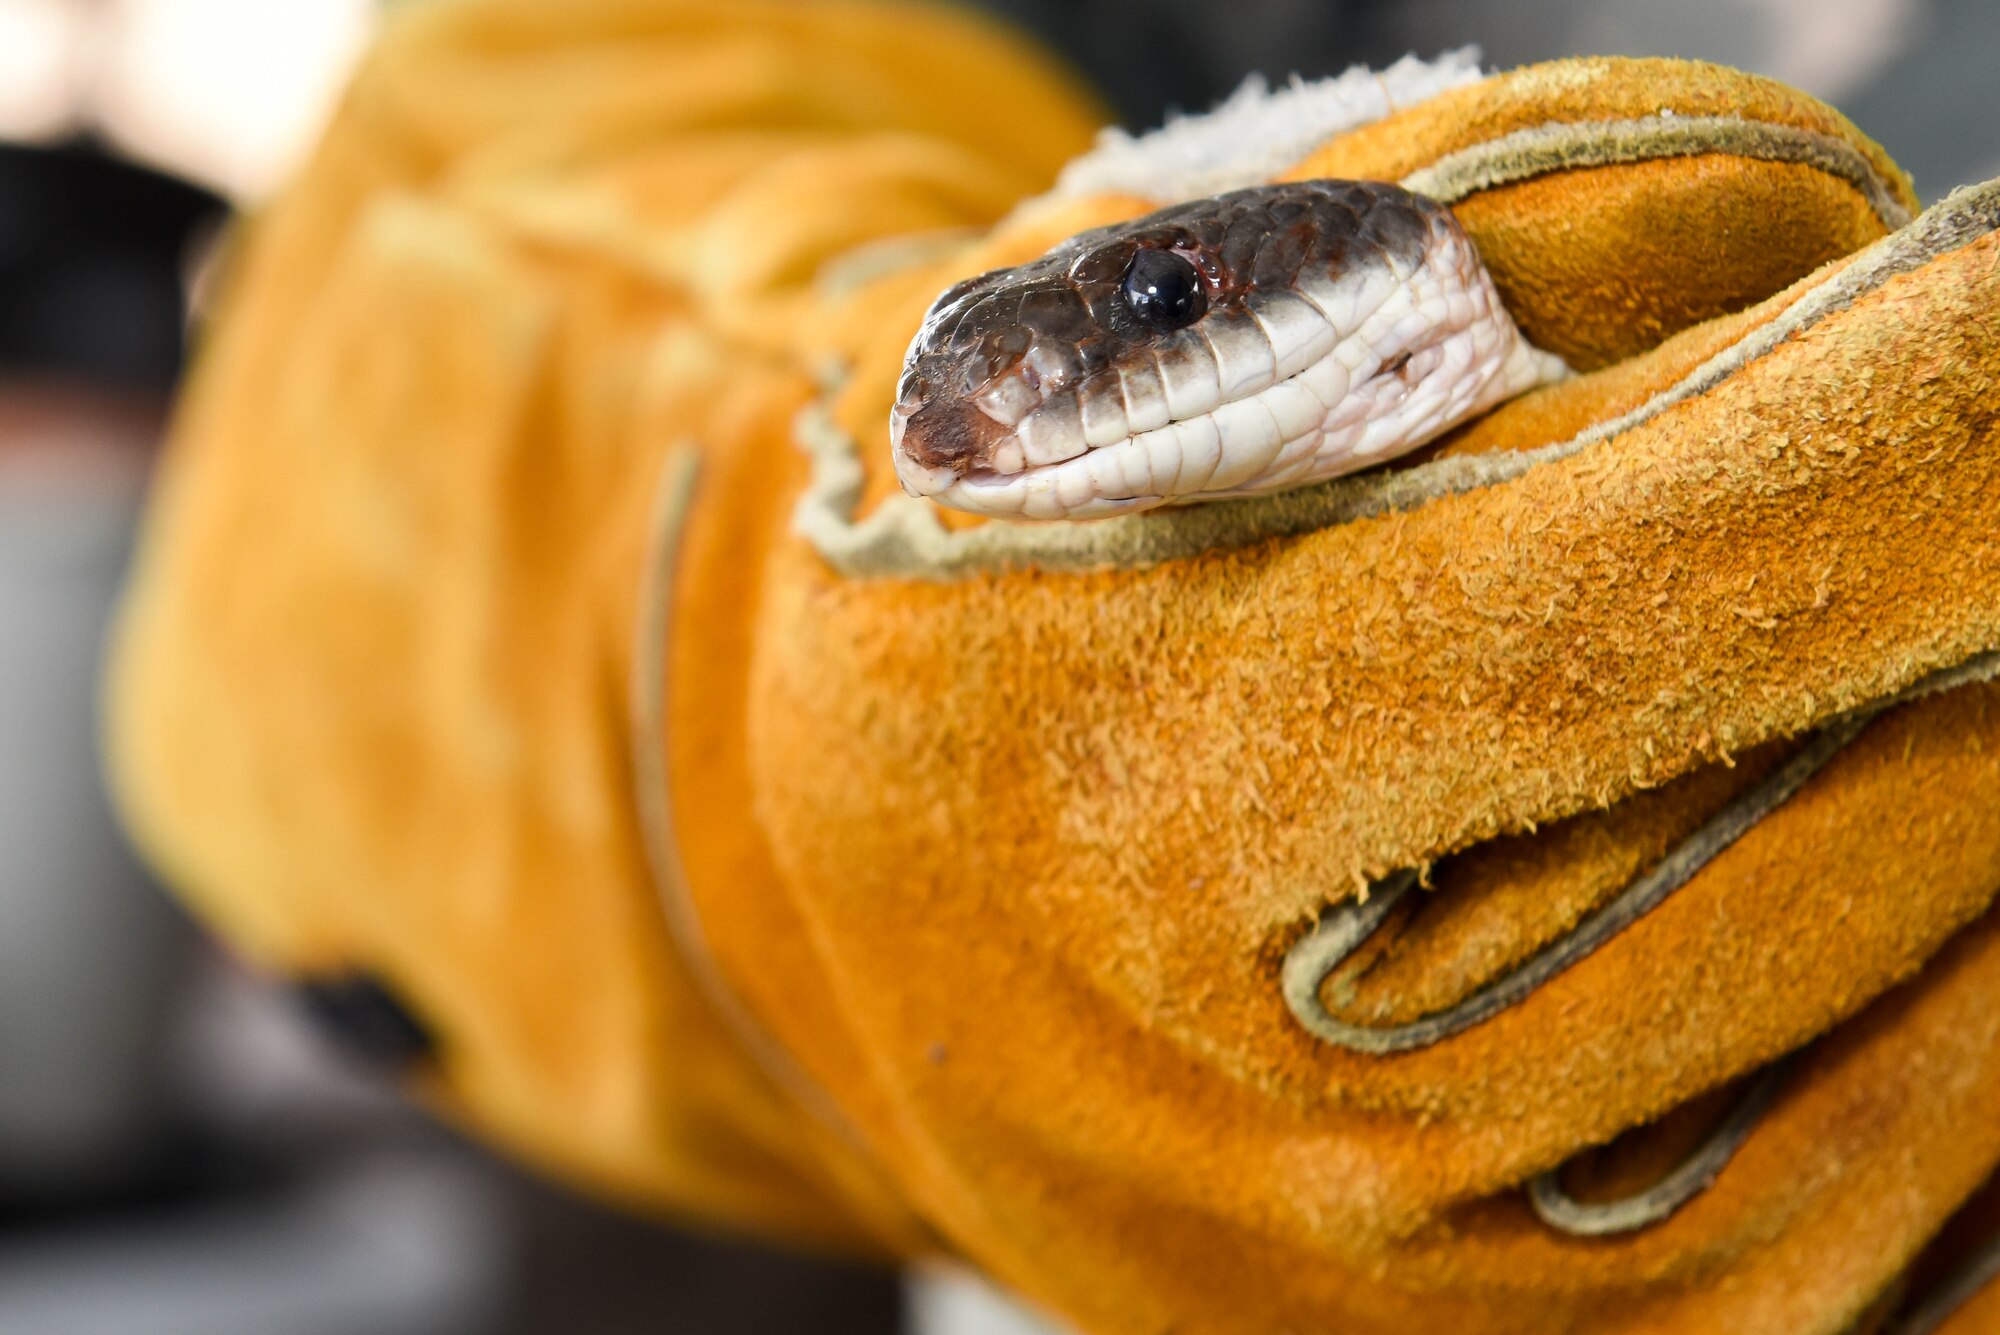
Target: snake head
(1247, 342)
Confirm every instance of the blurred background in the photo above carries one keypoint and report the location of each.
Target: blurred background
(180, 1150)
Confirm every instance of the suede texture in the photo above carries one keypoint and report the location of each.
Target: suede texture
(998, 857)
(1673, 240)
(1057, 828)
(366, 706)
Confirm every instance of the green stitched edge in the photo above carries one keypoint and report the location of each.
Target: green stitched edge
(1693, 1175)
(1953, 1292)
(1559, 147)
(904, 539)
(652, 792)
(1343, 929)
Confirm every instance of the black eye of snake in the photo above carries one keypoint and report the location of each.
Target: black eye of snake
(1163, 290)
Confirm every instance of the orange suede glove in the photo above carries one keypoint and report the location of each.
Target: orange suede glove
(529, 624)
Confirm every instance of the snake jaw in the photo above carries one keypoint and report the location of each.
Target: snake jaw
(1338, 325)
(921, 480)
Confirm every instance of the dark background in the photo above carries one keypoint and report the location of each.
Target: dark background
(1916, 75)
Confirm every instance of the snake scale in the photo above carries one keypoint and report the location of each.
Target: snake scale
(1247, 342)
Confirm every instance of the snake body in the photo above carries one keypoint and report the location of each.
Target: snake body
(1247, 342)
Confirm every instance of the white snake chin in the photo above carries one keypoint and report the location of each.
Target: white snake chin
(1339, 372)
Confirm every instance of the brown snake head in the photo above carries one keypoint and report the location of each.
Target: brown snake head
(1249, 342)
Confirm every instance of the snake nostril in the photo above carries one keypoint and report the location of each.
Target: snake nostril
(911, 394)
(366, 1020)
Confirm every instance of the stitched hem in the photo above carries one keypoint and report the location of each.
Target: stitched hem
(903, 538)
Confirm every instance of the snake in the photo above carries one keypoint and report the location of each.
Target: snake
(1247, 342)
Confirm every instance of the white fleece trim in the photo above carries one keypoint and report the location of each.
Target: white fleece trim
(1257, 132)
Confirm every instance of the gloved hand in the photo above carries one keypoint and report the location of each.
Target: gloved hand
(368, 707)
(1013, 874)
(1060, 806)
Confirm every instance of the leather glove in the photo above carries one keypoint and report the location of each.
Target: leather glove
(1539, 886)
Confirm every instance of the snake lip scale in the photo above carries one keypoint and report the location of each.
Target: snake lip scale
(1248, 342)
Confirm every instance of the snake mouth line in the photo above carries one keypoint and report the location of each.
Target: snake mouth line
(1252, 342)
(904, 538)
(1180, 461)
(1351, 410)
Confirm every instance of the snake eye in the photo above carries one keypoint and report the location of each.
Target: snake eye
(1163, 290)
